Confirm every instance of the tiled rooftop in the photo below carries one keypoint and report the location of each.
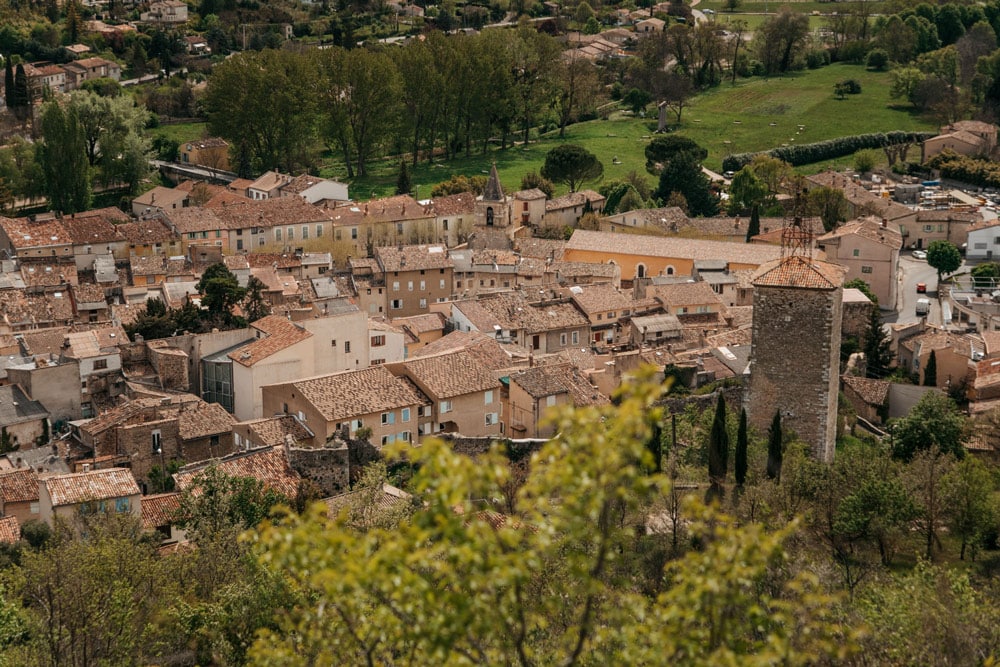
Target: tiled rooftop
(201, 419)
(872, 392)
(343, 396)
(413, 258)
(868, 228)
(600, 298)
(450, 374)
(82, 487)
(273, 431)
(798, 271)
(19, 485)
(160, 509)
(23, 233)
(642, 245)
(269, 465)
(281, 334)
(10, 529)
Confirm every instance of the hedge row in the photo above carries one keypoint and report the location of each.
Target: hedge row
(825, 150)
(984, 173)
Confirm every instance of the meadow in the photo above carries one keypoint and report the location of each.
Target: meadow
(753, 115)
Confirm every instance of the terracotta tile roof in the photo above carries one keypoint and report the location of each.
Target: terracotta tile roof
(485, 349)
(655, 246)
(10, 530)
(273, 212)
(948, 216)
(194, 219)
(976, 126)
(95, 226)
(394, 209)
(984, 224)
(273, 431)
(600, 298)
(269, 180)
(991, 342)
(418, 324)
(730, 338)
(49, 275)
(160, 509)
(571, 271)
(574, 199)
(209, 142)
(160, 197)
(684, 294)
(859, 197)
(146, 232)
(269, 465)
(450, 374)
(872, 392)
(300, 184)
(202, 420)
(19, 485)
(280, 334)
(797, 271)
(413, 257)
(540, 248)
(343, 396)
(89, 293)
(81, 487)
(458, 204)
(23, 233)
(224, 198)
(555, 379)
(512, 311)
(270, 259)
(529, 195)
(390, 499)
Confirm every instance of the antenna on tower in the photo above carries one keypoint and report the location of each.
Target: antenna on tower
(797, 238)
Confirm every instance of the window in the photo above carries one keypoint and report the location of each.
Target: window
(204, 235)
(354, 233)
(562, 339)
(996, 241)
(260, 240)
(100, 364)
(395, 286)
(445, 407)
(218, 233)
(191, 235)
(445, 225)
(378, 341)
(866, 269)
(213, 441)
(399, 228)
(550, 401)
(491, 418)
(489, 397)
(277, 234)
(388, 418)
(347, 347)
(396, 304)
(157, 447)
(928, 228)
(441, 285)
(122, 505)
(404, 415)
(409, 285)
(388, 439)
(305, 232)
(423, 285)
(336, 234)
(319, 231)
(857, 252)
(333, 343)
(378, 362)
(291, 233)
(404, 436)
(702, 309)
(980, 246)
(423, 303)
(599, 317)
(576, 337)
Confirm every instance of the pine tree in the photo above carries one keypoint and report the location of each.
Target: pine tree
(718, 445)
(74, 22)
(930, 371)
(8, 83)
(754, 228)
(774, 452)
(878, 355)
(403, 185)
(740, 465)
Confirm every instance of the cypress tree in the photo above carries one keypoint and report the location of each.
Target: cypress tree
(930, 372)
(774, 452)
(878, 355)
(718, 445)
(403, 185)
(22, 96)
(8, 83)
(754, 228)
(740, 465)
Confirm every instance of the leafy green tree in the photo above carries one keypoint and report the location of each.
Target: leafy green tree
(746, 191)
(877, 348)
(829, 204)
(775, 447)
(403, 184)
(683, 175)
(535, 180)
(905, 83)
(924, 476)
(944, 257)
(986, 270)
(74, 22)
(663, 148)
(254, 305)
(573, 165)
(63, 158)
(718, 446)
(220, 290)
(877, 60)
(864, 288)
(877, 509)
(556, 585)
(637, 100)
(968, 491)
(742, 438)
(930, 371)
(933, 423)
(866, 159)
(458, 184)
(780, 40)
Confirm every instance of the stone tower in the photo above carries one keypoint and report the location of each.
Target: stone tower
(795, 356)
(493, 207)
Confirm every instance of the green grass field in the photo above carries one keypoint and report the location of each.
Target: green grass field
(181, 132)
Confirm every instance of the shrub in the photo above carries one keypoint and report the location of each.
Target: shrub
(817, 58)
(829, 149)
(877, 59)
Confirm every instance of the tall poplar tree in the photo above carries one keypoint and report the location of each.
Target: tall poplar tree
(62, 155)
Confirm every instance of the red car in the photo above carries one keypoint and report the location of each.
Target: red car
(921, 288)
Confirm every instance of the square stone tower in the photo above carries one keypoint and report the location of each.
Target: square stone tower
(795, 355)
(493, 207)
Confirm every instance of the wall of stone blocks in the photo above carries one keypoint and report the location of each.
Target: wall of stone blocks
(329, 468)
(795, 363)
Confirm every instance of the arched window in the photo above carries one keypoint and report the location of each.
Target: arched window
(489, 216)
(640, 271)
(670, 270)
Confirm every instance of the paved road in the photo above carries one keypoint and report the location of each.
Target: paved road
(911, 272)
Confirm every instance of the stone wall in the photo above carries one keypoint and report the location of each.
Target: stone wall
(855, 321)
(328, 467)
(795, 362)
(171, 366)
(679, 404)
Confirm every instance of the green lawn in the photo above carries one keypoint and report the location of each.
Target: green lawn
(803, 98)
(771, 6)
(754, 21)
(181, 132)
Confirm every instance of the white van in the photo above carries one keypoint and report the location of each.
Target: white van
(923, 306)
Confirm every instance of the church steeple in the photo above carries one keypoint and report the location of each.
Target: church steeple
(493, 190)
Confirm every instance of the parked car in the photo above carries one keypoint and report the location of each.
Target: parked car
(919, 254)
(921, 288)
